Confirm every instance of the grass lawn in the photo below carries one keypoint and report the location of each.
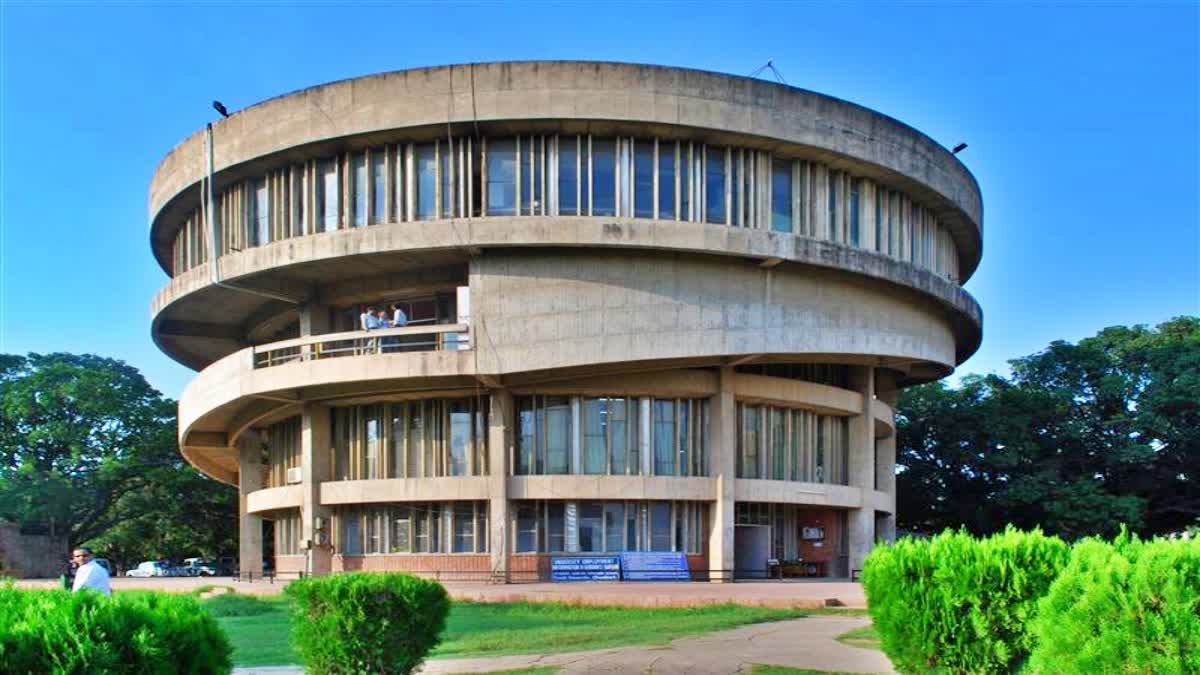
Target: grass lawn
(866, 637)
(258, 628)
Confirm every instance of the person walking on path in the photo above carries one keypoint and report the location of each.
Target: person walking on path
(91, 574)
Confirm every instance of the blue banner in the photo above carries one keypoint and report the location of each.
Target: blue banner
(585, 568)
(655, 566)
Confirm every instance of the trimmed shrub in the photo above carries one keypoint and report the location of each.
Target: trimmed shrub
(959, 604)
(1127, 607)
(67, 633)
(366, 622)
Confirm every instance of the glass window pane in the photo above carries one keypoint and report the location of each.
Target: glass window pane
(525, 438)
(781, 195)
(666, 180)
(714, 185)
(568, 178)
(591, 533)
(328, 196)
(684, 183)
(779, 448)
(416, 440)
(352, 533)
(262, 213)
(460, 436)
(604, 167)
(854, 213)
(643, 177)
(618, 431)
(464, 527)
(373, 435)
(378, 186)
(558, 434)
(614, 527)
(502, 177)
(401, 529)
(527, 528)
(555, 524)
(664, 437)
(360, 189)
(426, 181)
(660, 526)
(595, 416)
(446, 174)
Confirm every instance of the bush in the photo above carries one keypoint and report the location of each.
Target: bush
(66, 633)
(366, 622)
(958, 604)
(1128, 607)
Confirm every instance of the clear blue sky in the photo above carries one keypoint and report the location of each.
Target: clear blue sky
(1081, 120)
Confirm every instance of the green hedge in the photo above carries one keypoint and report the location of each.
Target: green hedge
(1130, 607)
(366, 622)
(60, 632)
(959, 604)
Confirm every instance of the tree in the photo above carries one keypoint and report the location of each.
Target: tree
(88, 451)
(1080, 439)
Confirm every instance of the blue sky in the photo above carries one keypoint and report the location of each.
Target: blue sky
(1081, 120)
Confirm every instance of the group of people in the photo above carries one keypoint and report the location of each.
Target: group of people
(84, 572)
(375, 318)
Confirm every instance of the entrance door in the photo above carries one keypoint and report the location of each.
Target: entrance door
(751, 549)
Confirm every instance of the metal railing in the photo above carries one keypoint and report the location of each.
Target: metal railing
(443, 337)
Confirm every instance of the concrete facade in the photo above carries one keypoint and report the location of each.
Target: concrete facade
(730, 356)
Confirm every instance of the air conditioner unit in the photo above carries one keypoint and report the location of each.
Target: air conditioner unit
(295, 475)
(812, 533)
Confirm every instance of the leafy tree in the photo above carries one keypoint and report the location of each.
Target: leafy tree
(88, 451)
(1081, 438)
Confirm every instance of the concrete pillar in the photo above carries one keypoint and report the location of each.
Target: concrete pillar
(723, 462)
(315, 458)
(861, 468)
(250, 527)
(500, 448)
(314, 319)
(887, 392)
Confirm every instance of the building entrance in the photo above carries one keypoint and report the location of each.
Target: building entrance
(751, 549)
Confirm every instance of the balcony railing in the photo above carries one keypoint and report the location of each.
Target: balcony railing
(443, 337)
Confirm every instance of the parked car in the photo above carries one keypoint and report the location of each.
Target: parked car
(150, 568)
(199, 567)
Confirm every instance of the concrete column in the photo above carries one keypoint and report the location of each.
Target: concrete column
(861, 467)
(314, 463)
(314, 319)
(723, 461)
(886, 391)
(250, 527)
(500, 449)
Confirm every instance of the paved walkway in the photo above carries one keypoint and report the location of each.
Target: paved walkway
(799, 643)
(797, 593)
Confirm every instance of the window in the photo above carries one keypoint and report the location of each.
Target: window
(748, 454)
(361, 184)
(666, 180)
(604, 177)
(544, 435)
(643, 178)
(411, 439)
(591, 527)
(854, 213)
(502, 178)
(595, 436)
(446, 181)
(288, 534)
(262, 213)
(568, 175)
(464, 527)
(714, 185)
(558, 435)
(532, 169)
(328, 204)
(378, 186)
(412, 528)
(401, 535)
(781, 195)
(460, 437)
(426, 159)
(610, 526)
(831, 179)
(664, 437)
(399, 208)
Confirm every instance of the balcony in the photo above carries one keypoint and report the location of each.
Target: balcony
(443, 337)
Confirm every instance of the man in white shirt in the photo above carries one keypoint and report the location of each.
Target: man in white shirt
(91, 574)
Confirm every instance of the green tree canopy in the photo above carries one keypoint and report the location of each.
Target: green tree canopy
(88, 451)
(1081, 438)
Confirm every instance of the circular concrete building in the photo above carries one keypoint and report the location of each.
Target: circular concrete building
(641, 309)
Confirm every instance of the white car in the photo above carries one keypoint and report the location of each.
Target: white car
(150, 568)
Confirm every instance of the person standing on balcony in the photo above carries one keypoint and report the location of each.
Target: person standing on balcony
(399, 318)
